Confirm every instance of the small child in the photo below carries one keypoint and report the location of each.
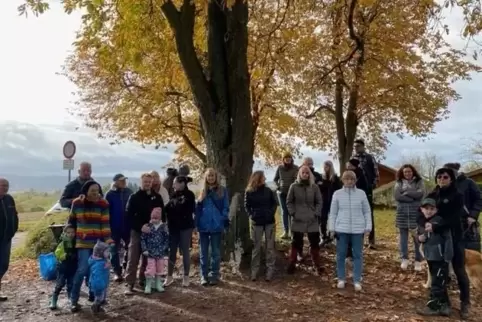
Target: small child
(99, 267)
(438, 251)
(66, 255)
(154, 246)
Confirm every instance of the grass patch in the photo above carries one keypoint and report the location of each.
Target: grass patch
(28, 220)
(32, 201)
(39, 238)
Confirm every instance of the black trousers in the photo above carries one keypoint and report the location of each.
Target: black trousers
(371, 237)
(439, 272)
(65, 276)
(297, 240)
(458, 263)
(324, 224)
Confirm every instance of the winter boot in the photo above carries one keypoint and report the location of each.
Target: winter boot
(464, 311)
(53, 302)
(159, 284)
(3, 298)
(148, 288)
(292, 260)
(315, 258)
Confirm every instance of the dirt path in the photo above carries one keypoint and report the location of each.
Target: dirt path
(388, 295)
(19, 239)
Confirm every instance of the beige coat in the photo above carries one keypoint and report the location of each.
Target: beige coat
(304, 205)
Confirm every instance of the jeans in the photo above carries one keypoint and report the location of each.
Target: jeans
(404, 233)
(342, 242)
(458, 263)
(115, 260)
(439, 272)
(213, 240)
(285, 217)
(83, 255)
(5, 249)
(65, 276)
(179, 240)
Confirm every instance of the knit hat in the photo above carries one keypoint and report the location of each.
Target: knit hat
(86, 186)
(428, 202)
(156, 213)
(448, 171)
(354, 162)
(100, 249)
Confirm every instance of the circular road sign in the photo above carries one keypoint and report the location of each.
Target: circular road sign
(69, 149)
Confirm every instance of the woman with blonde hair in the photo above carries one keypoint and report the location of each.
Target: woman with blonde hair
(304, 206)
(260, 204)
(158, 187)
(350, 218)
(212, 219)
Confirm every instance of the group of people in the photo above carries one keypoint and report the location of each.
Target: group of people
(158, 220)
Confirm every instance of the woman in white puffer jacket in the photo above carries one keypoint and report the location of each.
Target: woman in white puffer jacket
(349, 220)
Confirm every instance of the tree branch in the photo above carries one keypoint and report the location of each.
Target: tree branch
(320, 108)
(186, 138)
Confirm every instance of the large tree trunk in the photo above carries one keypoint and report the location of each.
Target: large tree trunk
(223, 95)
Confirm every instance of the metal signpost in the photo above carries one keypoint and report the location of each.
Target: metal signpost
(69, 152)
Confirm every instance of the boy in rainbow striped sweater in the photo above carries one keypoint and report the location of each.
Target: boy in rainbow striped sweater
(90, 217)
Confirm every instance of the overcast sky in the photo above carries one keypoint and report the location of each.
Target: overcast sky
(34, 49)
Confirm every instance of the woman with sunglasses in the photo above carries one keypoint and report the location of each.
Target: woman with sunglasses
(450, 207)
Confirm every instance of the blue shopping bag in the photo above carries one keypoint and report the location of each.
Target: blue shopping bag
(48, 266)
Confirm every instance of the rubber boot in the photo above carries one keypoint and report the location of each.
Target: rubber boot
(315, 258)
(292, 260)
(53, 302)
(159, 284)
(148, 288)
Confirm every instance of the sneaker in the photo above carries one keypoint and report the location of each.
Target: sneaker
(358, 287)
(213, 281)
(74, 307)
(418, 267)
(404, 264)
(118, 278)
(204, 281)
(185, 281)
(340, 285)
(169, 280)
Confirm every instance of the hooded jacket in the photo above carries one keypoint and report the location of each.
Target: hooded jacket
(304, 205)
(8, 218)
(180, 210)
(139, 208)
(438, 245)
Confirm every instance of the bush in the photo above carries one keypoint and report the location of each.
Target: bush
(40, 238)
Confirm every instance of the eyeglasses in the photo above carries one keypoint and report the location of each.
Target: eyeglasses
(444, 177)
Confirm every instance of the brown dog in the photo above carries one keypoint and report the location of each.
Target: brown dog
(473, 267)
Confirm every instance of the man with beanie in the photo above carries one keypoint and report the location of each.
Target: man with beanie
(473, 203)
(8, 228)
(90, 218)
(117, 197)
(370, 169)
(450, 208)
(139, 208)
(285, 176)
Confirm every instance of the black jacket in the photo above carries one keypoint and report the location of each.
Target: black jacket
(260, 204)
(361, 180)
(450, 207)
(8, 218)
(72, 190)
(139, 208)
(328, 188)
(471, 192)
(180, 210)
(438, 245)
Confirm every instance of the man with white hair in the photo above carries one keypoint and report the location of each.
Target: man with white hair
(8, 228)
(73, 188)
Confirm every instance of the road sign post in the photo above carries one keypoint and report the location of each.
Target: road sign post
(69, 150)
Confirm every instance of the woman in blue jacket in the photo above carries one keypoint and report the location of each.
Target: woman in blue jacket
(211, 220)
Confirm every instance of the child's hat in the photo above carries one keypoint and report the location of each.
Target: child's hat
(156, 213)
(429, 202)
(100, 248)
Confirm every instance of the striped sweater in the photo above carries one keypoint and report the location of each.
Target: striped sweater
(91, 222)
(350, 212)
